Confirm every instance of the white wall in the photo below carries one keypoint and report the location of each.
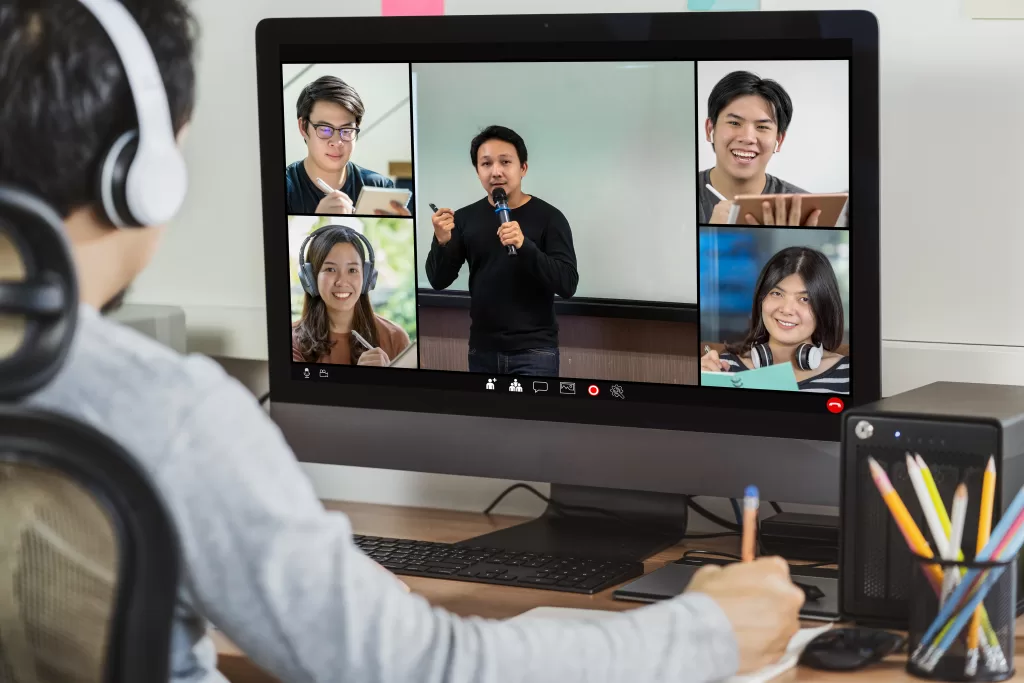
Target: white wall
(815, 154)
(384, 90)
(951, 97)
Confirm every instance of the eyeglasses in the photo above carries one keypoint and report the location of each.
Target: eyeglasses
(326, 131)
(848, 649)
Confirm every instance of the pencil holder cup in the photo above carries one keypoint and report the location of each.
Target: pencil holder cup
(940, 644)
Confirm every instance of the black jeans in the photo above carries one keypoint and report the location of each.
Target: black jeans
(531, 362)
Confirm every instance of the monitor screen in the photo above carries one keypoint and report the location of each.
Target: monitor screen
(660, 233)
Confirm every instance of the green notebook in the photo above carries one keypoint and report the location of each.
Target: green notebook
(778, 377)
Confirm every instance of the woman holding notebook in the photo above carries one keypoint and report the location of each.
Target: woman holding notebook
(796, 317)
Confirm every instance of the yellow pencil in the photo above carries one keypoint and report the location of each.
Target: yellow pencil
(933, 493)
(988, 495)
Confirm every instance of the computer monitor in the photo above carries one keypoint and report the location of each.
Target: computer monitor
(632, 346)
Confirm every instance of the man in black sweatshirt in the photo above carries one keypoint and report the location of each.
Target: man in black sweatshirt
(513, 331)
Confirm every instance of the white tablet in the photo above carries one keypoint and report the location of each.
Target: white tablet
(373, 198)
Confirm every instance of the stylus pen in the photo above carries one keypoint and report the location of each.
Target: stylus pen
(324, 186)
(432, 208)
(751, 501)
(359, 338)
(716, 192)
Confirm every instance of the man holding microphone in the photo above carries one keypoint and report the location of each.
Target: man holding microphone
(513, 330)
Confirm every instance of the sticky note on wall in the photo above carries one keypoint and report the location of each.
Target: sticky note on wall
(995, 9)
(723, 5)
(411, 8)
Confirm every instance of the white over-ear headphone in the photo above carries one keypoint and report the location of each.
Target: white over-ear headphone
(143, 179)
(808, 356)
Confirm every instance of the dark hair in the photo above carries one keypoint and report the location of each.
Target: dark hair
(498, 133)
(313, 331)
(822, 289)
(329, 89)
(740, 83)
(66, 98)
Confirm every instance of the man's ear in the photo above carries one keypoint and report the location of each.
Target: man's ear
(709, 131)
(525, 168)
(302, 130)
(779, 141)
(183, 133)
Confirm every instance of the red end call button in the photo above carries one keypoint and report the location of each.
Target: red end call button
(835, 405)
(593, 390)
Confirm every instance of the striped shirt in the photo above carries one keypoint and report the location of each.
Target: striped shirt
(835, 380)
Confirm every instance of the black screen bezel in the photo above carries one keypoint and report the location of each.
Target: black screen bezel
(690, 36)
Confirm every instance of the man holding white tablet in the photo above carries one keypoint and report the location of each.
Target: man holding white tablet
(327, 181)
(748, 117)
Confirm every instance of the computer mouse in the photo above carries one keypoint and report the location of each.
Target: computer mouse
(811, 592)
(846, 649)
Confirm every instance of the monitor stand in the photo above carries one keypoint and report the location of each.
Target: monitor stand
(633, 525)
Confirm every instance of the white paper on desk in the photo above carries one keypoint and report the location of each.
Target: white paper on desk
(796, 644)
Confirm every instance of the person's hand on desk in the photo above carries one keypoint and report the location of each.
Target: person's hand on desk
(761, 603)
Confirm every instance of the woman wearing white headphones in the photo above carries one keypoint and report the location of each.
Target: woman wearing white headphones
(338, 324)
(796, 317)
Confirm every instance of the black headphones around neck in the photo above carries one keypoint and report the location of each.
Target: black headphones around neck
(308, 278)
(808, 356)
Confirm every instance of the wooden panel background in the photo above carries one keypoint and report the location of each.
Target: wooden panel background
(591, 347)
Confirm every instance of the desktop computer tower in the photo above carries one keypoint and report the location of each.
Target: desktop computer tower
(955, 427)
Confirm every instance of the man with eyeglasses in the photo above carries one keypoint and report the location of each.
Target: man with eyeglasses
(329, 113)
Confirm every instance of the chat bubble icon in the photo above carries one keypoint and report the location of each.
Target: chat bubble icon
(539, 386)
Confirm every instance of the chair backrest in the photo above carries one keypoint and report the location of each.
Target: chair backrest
(89, 558)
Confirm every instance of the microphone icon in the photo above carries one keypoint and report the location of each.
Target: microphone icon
(501, 208)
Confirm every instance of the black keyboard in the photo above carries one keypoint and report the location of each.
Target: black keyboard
(498, 566)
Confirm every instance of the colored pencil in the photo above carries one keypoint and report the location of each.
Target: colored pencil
(956, 535)
(988, 496)
(751, 502)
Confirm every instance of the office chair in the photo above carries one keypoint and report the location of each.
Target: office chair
(88, 551)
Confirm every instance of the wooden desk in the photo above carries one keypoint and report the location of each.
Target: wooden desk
(501, 602)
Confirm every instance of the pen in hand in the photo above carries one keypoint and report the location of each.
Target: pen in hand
(359, 338)
(715, 192)
(751, 501)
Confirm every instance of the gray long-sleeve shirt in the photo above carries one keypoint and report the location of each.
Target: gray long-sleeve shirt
(281, 576)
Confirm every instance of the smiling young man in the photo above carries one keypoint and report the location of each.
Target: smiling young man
(329, 113)
(748, 118)
(513, 330)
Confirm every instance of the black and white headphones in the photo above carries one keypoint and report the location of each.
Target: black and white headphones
(808, 357)
(143, 179)
(308, 278)
(142, 182)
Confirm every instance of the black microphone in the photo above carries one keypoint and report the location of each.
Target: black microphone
(501, 208)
